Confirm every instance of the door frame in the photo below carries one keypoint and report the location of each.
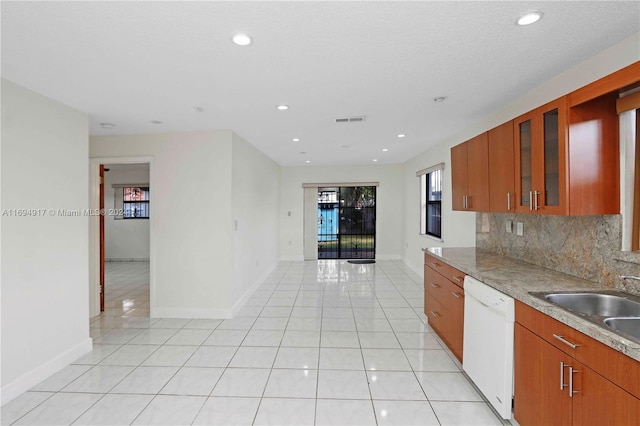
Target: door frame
(94, 228)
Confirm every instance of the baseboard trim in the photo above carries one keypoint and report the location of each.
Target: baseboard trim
(417, 269)
(247, 294)
(291, 258)
(191, 313)
(388, 257)
(128, 259)
(44, 371)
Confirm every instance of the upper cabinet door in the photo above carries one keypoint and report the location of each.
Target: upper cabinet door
(470, 174)
(501, 169)
(459, 177)
(478, 179)
(540, 145)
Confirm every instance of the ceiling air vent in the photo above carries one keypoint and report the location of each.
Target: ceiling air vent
(350, 119)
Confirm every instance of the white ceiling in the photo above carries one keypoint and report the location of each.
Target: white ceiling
(129, 63)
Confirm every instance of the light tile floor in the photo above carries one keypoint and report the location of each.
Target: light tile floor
(320, 343)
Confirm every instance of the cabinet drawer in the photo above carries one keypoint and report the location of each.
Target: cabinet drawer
(436, 314)
(436, 285)
(447, 271)
(616, 366)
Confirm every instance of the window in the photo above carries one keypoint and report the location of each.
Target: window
(431, 201)
(135, 202)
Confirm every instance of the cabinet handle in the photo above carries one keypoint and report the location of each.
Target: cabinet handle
(435, 314)
(535, 200)
(434, 285)
(456, 295)
(458, 279)
(562, 384)
(571, 391)
(508, 201)
(464, 202)
(435, 265)
(566, 342)
(530, 200)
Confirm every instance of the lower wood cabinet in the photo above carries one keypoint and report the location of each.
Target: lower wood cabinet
(551, 387)
(444, 302)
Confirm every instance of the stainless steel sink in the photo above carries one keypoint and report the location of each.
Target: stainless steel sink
(596, 304)
(628, 326)
(616, 310)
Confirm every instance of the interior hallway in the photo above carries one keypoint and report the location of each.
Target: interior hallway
(322, 342)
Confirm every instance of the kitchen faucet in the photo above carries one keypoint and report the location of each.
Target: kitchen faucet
(629, 277)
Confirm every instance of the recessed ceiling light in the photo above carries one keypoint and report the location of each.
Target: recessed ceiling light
(155, 122)
(296, 139)
(242, 39)
(402, 135)
(282, 107)
(308, 161)
(107, 125)
(529, 18)
(385, 149)
(439, 99)
(375, 160)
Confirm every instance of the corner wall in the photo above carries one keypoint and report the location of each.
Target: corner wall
(45, 263)
(255, 201)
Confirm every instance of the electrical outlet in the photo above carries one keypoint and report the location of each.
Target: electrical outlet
(509, 227)
(520, 229)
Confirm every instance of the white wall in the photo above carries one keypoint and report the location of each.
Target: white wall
(459, 227)
(255, 192)
(125, 239)
(45, 316)
(191, 218)
(389, 216)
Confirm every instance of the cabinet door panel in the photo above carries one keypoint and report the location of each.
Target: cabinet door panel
(523, 136)
(538, 397)
(552, 198)
(478, 173)
(598, 402)
(459, 176)
(501, 169)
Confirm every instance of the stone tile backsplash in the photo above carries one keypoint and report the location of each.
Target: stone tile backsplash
(583, 246)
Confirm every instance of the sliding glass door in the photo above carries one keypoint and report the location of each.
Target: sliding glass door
(347, 222)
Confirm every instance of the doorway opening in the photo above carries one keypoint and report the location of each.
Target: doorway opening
(347, 222)
(121, 239)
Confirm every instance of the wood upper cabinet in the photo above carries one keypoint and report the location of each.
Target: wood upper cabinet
(586, 383)
(567, 159)
(501, 169)
(470, 174)
(540, 159)
(594, 172)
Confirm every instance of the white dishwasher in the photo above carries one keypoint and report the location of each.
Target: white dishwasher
(488, 343)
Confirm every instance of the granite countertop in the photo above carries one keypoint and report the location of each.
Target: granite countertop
(516, 278)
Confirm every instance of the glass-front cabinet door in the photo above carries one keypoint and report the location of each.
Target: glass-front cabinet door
(540, 149)
(526, 165)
